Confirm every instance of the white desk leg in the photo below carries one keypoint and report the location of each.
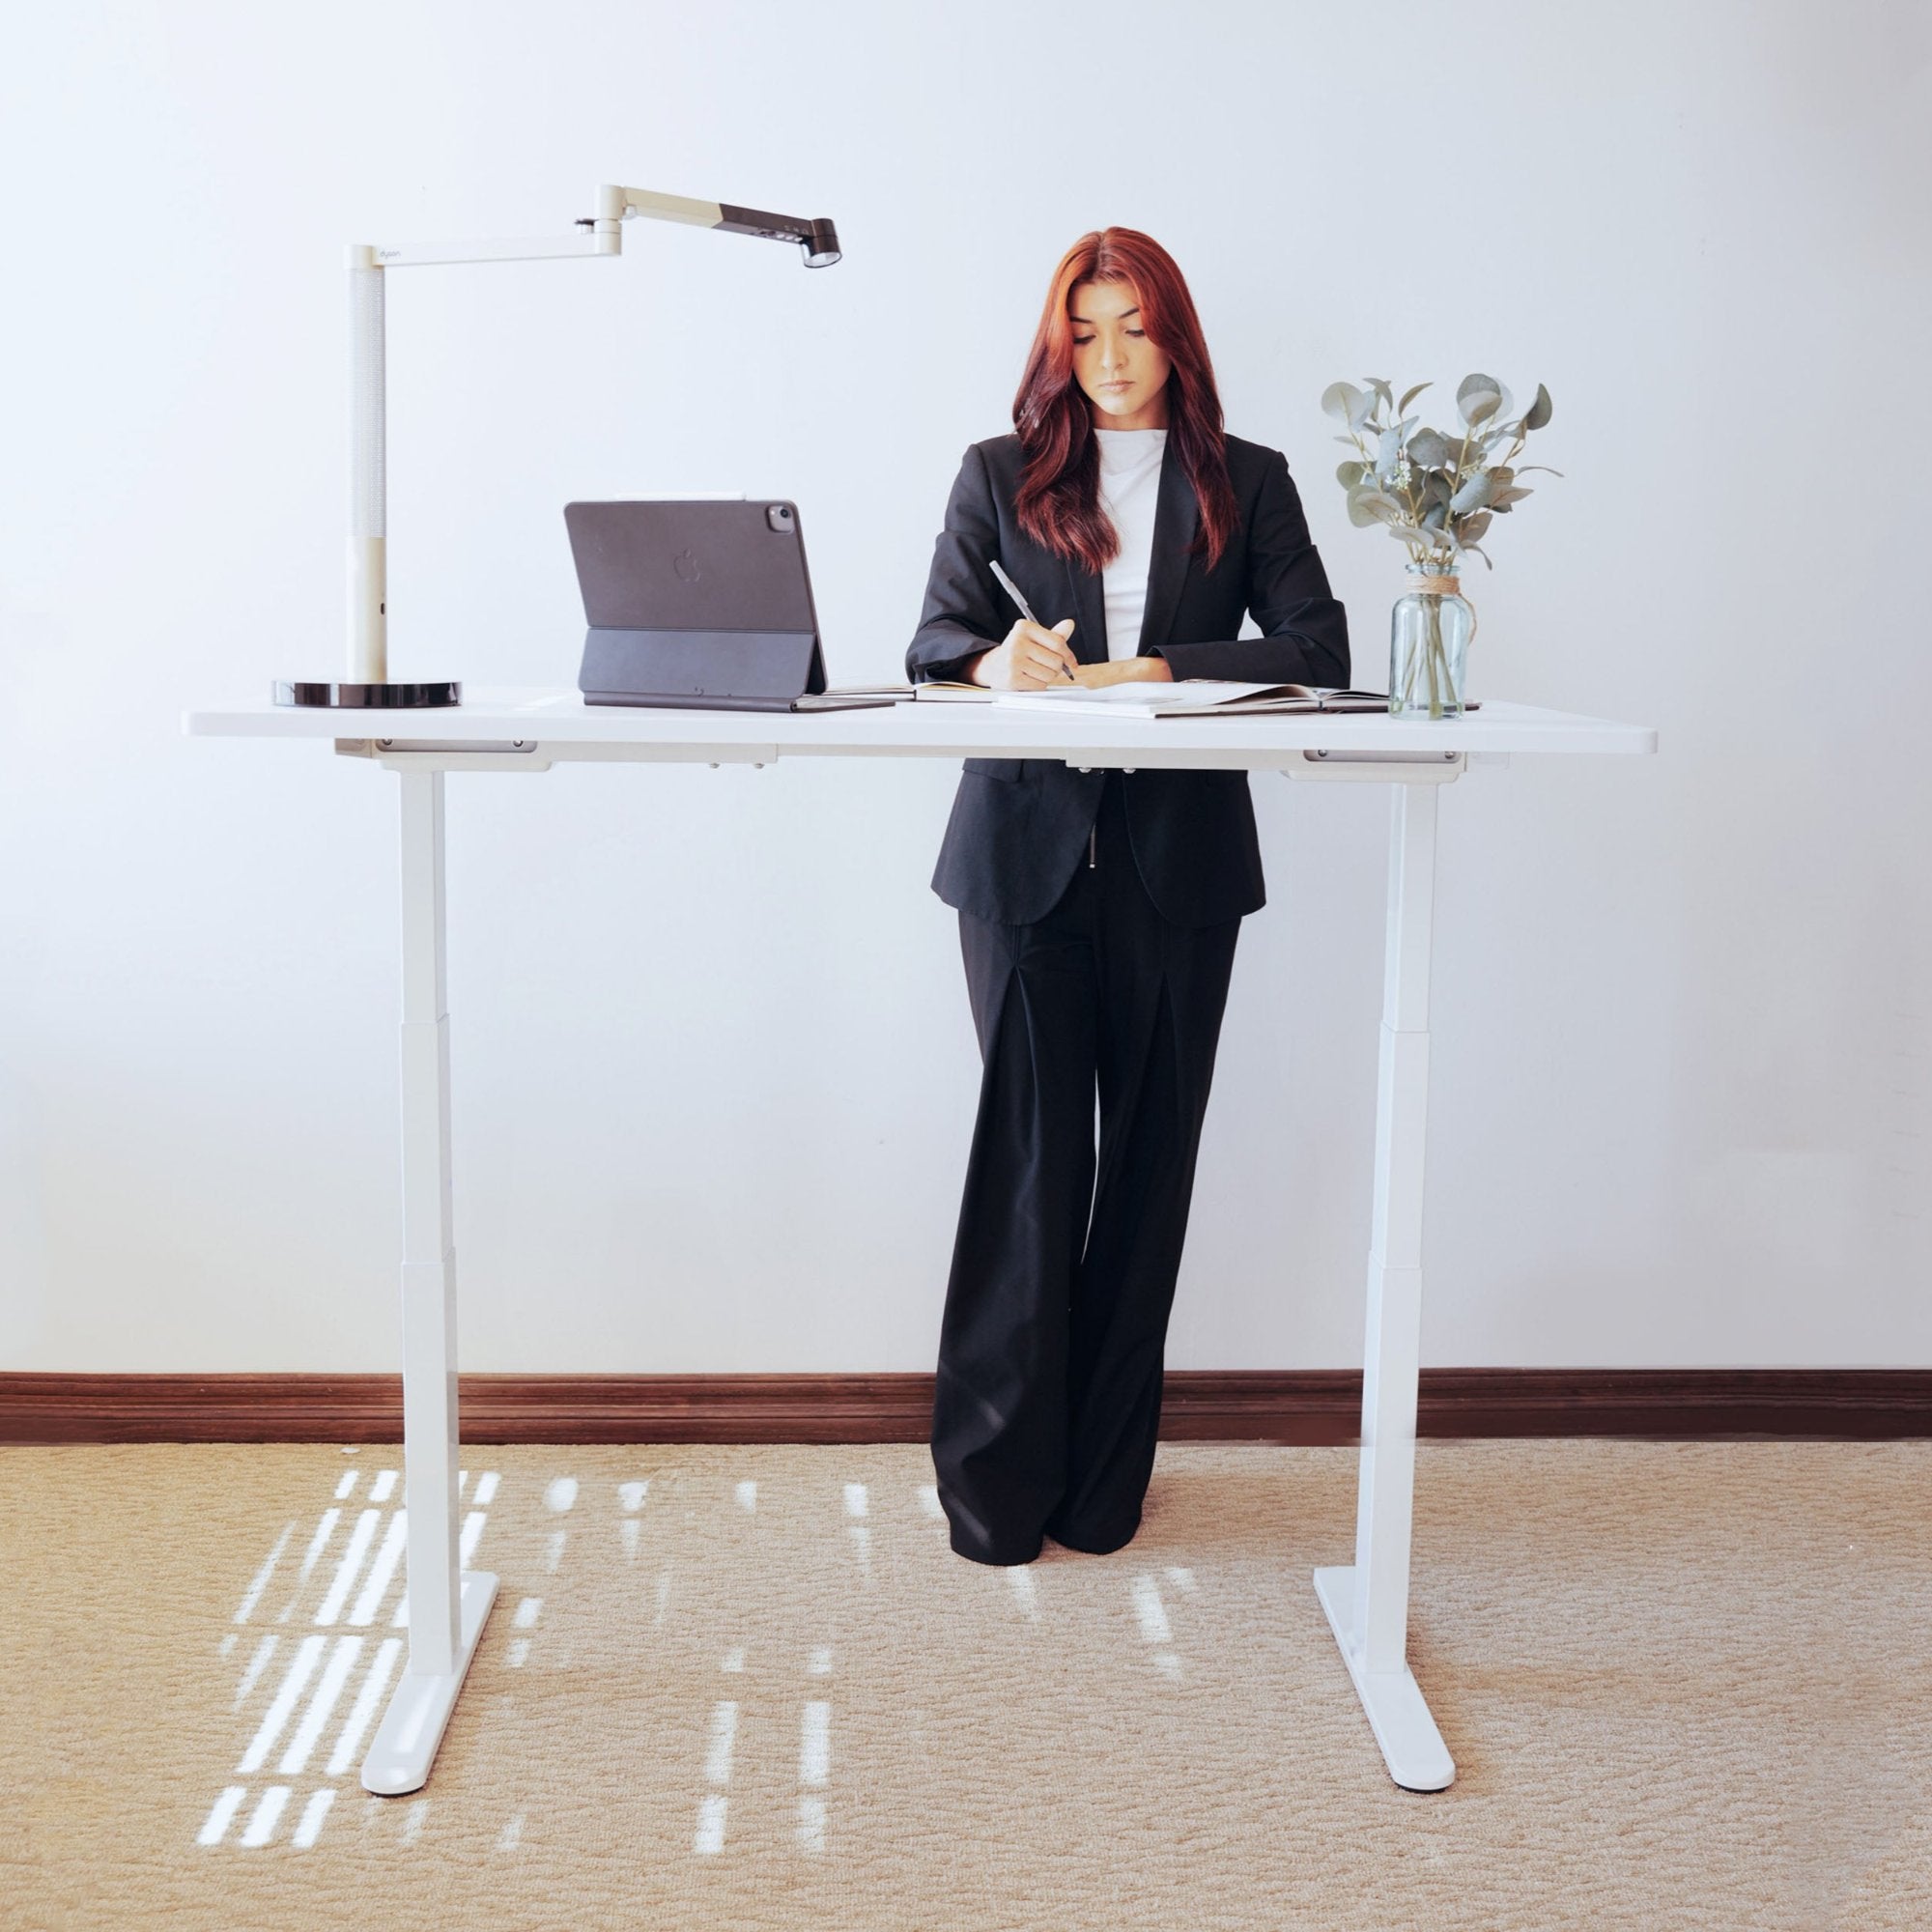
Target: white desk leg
(1367, 1604)
(446, 1609)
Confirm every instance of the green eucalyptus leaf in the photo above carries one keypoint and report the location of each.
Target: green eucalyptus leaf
(1436, 487)
(1349, 474)
(1471, 527)
(1481, 552)
(1389, 453)
(1544, 466)
(1362, 406)
(1475, 386)
(1368, 506)
(1473, 494)
(1480, 406)
(1382, 389)
(1338, 400)
(1504, 498)
(1539, 412)
(1411, 396)
(1429, 448)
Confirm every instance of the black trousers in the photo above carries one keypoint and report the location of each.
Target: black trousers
(1052, 1342)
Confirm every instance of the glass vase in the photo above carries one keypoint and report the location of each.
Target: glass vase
(1429, 645)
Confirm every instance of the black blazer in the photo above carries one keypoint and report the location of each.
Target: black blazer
(1019, 825)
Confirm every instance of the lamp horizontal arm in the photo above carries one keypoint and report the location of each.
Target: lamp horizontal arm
(582, 240)
(817, 237)
(614, 204)
(603, 234)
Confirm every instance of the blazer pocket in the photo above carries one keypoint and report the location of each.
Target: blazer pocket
(1008, 771)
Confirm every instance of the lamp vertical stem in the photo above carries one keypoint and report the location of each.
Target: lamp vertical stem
(368, 481)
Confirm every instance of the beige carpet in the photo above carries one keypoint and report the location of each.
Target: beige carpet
(1685, 1686)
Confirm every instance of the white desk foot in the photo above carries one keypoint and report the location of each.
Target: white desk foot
(1418, 1758)
(419, 1707)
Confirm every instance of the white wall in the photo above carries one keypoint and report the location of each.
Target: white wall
(714, 1071)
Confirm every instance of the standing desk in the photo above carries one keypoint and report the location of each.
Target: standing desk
(531, 730)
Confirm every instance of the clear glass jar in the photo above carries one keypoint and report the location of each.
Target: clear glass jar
(1429, 645)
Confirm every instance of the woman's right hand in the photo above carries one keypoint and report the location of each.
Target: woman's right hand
(1030, 659)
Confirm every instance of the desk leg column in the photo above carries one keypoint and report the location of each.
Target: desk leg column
(1367, 1604)
(447, 1609)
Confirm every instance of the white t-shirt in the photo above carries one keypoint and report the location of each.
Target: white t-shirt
(1130, 462)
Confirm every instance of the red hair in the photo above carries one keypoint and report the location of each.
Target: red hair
(1059, 501)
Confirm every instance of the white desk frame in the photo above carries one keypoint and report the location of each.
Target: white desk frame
(1367, 1604)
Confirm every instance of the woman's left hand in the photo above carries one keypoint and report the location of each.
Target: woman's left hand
(1125, 670)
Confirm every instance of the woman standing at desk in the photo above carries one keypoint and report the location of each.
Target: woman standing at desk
(1098, 911)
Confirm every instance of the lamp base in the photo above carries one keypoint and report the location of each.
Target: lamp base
(369, 697)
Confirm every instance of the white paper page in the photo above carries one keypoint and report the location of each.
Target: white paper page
(1130, 697)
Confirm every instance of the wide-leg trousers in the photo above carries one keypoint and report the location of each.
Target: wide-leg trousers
(1053, 1339)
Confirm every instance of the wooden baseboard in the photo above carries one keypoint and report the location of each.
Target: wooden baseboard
(1298, 1406)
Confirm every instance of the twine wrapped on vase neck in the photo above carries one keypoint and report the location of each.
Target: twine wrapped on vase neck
(1439, 586)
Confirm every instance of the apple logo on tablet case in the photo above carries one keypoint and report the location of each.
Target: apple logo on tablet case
(686, 566)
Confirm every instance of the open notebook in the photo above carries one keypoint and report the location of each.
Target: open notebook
(1193, 696)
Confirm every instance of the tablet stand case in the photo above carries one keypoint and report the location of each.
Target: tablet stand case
(727, 670)
(700, 604)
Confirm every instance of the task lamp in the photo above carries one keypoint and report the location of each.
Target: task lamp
(368, 686)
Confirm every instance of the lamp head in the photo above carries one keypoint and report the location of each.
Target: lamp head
(821, 245)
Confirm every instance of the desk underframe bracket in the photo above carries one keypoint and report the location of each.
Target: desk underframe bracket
(1367, 1604)
(1310, 763)
(531, 754)
(1404, 768)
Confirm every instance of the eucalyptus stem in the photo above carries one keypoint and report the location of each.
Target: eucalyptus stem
(1432, 649)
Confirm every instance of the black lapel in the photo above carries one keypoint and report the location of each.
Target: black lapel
(1176, 516)
(1088, 614)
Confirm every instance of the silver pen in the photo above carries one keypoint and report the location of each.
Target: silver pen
(1012, 590)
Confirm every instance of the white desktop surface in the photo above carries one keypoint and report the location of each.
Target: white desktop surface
(927, 729)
